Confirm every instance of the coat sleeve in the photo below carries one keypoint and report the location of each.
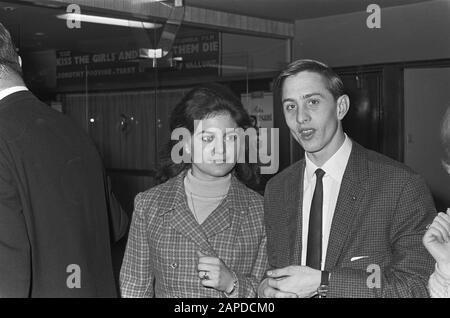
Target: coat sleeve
(136, 277)
(14, 246)
(408, 273)
(247, 285)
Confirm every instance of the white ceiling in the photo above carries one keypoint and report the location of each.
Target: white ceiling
(290, 10)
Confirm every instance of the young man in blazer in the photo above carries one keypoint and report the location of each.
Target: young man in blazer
(344, 221)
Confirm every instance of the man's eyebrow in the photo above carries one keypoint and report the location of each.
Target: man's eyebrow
(311, 95)
(303, 97)
(288, 100)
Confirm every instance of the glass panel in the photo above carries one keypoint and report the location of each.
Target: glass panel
(119, 75)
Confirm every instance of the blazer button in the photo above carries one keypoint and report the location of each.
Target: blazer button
(174, 265)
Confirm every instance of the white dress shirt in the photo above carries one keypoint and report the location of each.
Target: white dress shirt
(11, 90)
(334, 171)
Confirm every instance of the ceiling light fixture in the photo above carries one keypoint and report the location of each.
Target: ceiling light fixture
(108, 21)
(176, 3)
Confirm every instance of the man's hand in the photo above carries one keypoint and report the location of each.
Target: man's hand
(266, 291)
(302, 281)
(437, 241)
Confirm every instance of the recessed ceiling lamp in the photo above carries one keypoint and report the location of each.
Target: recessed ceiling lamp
(176, 3)
(45, 4)
(108, 21)
(9, 9)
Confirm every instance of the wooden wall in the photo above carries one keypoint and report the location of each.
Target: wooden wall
(129, 129)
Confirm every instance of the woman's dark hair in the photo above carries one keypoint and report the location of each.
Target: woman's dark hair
(203, 102)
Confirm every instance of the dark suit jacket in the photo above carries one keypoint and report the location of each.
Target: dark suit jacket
(380, 217)
(54, 209)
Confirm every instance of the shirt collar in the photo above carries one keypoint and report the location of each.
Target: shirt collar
(335, 166)
(11, 90)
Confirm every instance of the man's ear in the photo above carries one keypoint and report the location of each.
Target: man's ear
(343, 105)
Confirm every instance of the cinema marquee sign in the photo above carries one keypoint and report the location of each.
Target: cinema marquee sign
(200, 55)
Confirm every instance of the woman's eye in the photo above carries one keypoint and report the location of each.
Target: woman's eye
(207, 138)
(231, 137)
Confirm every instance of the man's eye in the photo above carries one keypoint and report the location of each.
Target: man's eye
(207, 138)
(290, 106)
(313, 102)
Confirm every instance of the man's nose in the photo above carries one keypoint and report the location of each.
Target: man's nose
(302, 115)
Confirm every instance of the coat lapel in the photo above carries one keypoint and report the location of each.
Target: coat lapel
(218, 221)
(229, 213)
(177, 215)
(349, 199)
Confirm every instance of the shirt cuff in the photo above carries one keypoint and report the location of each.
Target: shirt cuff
(235, 292)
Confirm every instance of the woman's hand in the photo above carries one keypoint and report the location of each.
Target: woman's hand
(214, 273)
(437, 241)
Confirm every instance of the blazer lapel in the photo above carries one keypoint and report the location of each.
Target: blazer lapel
(349, 199)
(289, 237)
(294, 207)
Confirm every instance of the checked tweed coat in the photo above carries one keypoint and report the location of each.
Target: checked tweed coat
(381, 215)
(160, 258)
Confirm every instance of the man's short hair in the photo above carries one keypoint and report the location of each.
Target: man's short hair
(335, 84)
(9, 59)
(445, 137)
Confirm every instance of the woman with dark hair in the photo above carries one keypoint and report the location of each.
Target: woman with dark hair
(201, 233)
(437, 237)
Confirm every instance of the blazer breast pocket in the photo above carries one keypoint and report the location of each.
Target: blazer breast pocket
(368, 261)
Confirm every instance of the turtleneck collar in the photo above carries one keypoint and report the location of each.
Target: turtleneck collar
(209, 189)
